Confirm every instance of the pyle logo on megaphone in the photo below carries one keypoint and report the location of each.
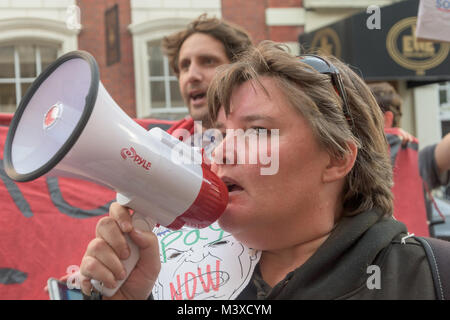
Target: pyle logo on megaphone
(131, 153)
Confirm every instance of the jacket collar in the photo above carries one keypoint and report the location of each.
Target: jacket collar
(340, 264)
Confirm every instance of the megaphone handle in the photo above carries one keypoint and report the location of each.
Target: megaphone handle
(140, 222)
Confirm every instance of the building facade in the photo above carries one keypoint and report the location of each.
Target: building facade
(124, 37)
(426, 96)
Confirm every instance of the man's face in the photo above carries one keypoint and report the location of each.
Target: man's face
(200, 54)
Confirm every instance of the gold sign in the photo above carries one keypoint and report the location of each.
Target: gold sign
(404, 49)
(327, 42)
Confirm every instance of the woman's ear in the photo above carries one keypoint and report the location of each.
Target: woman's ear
(339, 167)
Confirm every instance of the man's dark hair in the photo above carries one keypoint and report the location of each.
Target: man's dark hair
(388, 100)
(235, 39)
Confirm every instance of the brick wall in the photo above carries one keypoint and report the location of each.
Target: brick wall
(117, 78)
(285, 33)
(251, 14)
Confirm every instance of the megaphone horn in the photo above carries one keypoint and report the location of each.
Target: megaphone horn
(68, 125)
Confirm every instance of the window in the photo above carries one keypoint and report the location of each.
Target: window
(19, 66)
(165, 97)
(444, 95)
(444, 104)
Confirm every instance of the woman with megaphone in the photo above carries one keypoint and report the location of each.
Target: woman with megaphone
(323, 222)
(194, 53)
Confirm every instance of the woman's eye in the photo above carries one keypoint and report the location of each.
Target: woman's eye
(260, 130)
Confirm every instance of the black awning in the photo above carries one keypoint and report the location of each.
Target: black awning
(389, 53)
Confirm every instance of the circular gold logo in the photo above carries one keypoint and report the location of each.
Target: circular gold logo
(327, 42)
(404, 49)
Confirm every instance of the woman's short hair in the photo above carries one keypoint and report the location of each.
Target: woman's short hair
(234, 38)
(368, 185)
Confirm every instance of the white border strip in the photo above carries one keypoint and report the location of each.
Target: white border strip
(285, 16)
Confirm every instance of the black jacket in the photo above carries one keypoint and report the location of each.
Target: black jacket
(340, 268)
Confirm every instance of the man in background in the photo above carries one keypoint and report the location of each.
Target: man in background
(413, 171)
(194, 54)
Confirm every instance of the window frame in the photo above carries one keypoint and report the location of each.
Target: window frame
(444, 107)
(143, 33)
(166, 78)
(18, 80)
(39, 31)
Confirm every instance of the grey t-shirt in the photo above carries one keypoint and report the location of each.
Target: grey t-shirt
(429, 170)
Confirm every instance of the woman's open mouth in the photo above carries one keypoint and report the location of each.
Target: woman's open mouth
(232, 185)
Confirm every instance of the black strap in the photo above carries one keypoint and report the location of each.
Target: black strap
(438, 254)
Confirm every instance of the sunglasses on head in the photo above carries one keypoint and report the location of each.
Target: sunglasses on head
(324, 67)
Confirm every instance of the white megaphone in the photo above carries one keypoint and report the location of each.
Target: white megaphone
(68, 125)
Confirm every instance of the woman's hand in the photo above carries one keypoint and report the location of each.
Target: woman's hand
(102, 260)
(406, 137)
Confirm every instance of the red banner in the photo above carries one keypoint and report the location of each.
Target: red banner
(46, 224)
(409, 199)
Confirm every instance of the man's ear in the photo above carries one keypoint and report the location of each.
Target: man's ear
(388, 119)
(339, 167)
